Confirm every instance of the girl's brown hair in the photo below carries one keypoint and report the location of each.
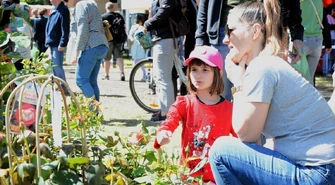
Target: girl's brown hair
(217, 85)
(266, 14)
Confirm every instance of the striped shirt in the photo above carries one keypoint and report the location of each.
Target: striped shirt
(88, 26)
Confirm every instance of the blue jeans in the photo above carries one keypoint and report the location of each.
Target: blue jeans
(57, 58)
(236, 163)
(88, 69)
(224, 50)
(326, 59)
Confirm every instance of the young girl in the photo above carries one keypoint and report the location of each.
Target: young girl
(205, 115)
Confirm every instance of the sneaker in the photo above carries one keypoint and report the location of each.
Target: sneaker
(122, 77)
(105, 78)
(157, 117)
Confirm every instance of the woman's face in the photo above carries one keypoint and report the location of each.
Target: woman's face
(238, 37)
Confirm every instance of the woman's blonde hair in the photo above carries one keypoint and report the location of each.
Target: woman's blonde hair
(217, 85)
(266, 14)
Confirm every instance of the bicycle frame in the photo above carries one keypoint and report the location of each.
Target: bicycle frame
(148, 99)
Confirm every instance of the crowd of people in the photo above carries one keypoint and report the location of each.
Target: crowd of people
(241, 85)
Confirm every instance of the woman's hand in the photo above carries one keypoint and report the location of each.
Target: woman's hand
(163, 137)
(235, 71)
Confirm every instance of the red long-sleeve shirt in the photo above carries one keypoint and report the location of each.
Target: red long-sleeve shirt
(201, 125)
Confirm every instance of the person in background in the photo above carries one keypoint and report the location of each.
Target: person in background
(35, 15)
(137, 51)
(205, 115)
(91, 45)
(70, 49)
(212, 19)
(57, 36)
(164, 49)
(273, 99)
(312, 15)
(116, 45)
(39, 27)
(329, 54)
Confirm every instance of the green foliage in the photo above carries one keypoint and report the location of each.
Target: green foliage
(34, 2)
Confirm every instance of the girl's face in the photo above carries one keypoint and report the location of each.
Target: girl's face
(238, 37)
(202, 77)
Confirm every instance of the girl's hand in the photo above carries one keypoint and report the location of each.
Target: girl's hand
(163, 137)
(235, 71)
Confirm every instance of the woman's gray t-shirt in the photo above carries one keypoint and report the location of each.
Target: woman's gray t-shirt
(299, 118)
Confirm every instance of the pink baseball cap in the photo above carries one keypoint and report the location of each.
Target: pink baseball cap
(207, 54)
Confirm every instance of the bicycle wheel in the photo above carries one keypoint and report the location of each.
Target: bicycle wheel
(142, 86)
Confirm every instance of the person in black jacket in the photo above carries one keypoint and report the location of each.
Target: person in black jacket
(163, 51)
(212, 18)
(39, 27)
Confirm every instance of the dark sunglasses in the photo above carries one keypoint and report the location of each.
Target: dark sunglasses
(228, 30)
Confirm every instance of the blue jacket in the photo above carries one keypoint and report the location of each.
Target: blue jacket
(58, 27)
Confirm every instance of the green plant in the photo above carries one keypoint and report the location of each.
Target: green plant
(34, 2)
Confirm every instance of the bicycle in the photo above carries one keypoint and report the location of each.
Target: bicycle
(143, 89)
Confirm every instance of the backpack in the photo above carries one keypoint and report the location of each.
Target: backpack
(181, 22)
(117, 29)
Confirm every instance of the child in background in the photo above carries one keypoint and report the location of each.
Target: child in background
(205, 115)
(137, 51)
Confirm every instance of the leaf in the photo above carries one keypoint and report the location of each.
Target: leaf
(110, 139)
(40, 181)
(65, 178)
(95, 173)
(139, 171)
(4, 38)
(103, 138)
(144, 128)
(146, 179)
(7, 68)
(45, 174)
(50, 166)
(13, 55)
(150, 156)
(72, 162)
(26, 171)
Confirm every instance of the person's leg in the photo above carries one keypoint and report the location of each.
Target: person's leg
(57, 58)
(107, 61)
(313, 47)
(117, 53)
(86, 63)
(325, 63)
(224, 50)
(100, 53)
(174, 81)
(235, 162)
(136, 60)
(114, 63)
(163, 55)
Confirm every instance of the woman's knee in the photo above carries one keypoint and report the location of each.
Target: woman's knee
(223, 145)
